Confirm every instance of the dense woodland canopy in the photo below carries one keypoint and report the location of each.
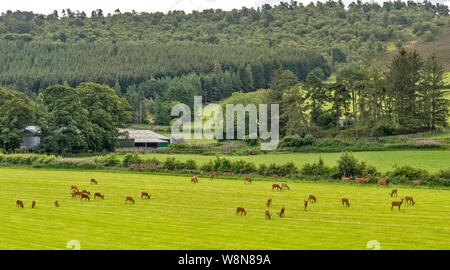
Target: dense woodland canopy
(154, 60)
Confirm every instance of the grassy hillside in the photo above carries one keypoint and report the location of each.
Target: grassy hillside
(181, 215)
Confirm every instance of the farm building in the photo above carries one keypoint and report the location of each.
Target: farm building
(142, 138)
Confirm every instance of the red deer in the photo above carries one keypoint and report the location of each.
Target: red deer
(211, 176)
(362, 179)
(384, 181)
(202, 173)
(129, 199)
(19, 203)
(194, 179)
(85, 197)
(345, 201)
(93, 181)
(284, 185)
(85, 192)
(276, 186)
(33, 203)
(145, 195)
(191, 172)
(269, 202)
(228, 173)
(398, 204)
(312, 198)
(136, 169)
(267, 214)
(415, 183)
(216, 173)
(75, 193)
(247, 180)
(276, 176)
(409, 200)
(99, 195)
(393, 192)
(281, 214)
(240, 211)
(305, 203)
(73, 187)
(346, 178)
(56, 203)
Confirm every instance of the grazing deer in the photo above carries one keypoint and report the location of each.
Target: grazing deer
(267, 214)
(191, 172)
(398, 204)
(85, 192)
(85, 197)
(129, 199)
(240, 211)
(33, 203)
(312, 198)
(276, 176)
(56, 203)
(281, 214)
(393, 192)
(345, 201)
(284, 185)
(277, 187)
(247, 180)
(305, 203)
(415, 183)
(211, 176)
(361, 180)
(269, 202)
(19, 203)
(75, 193)
(409, 200)
(73, 187)
(383, 181)
(166, 170)
(194, 179)
(228, 173)
(202, 173)
(93, 181)
(145, 195)
(216, 173)
(99, 195)
(346, 178)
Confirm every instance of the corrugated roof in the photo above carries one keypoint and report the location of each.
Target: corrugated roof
(142, 136)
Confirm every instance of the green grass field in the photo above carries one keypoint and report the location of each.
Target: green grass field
(182, 215)
(384, 160)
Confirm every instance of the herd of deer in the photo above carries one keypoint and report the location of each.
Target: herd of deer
(84, 194)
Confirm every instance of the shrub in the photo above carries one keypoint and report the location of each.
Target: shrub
(173, 164)
(131, 158)
(110, 160)
(296, 141)
(208, 167)
(409, 173)
(288, 169)
(315, 169)
(243, 166)
(190, 164)
(348, 165)
(262, 169)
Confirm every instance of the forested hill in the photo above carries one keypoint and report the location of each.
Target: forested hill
(212, 52)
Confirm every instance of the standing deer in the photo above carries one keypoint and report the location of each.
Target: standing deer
(240, 211)
(284, 185)
(277, 187)
(393, 192)
(33, 203)
(415, 183)
(211, 176)
(75, 193)
(345, 202)
(99, 195)
(93, 181)
(202, 173)
(346, 178)
(409, 200)
(267, 214)
(276, 176)
(19, 203)
(228, 173)
(312, 198)
(73, 187)
(281, 214)
(269, 202)
(194, 179)
(85, 192)
(384, 181)
(129, 199)
(398, 204)
(166, 170)
(56, 203)
(247, 180)
(305, 203)
(216, 173)
(85, 197)
(361, 180)
(145, 195)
